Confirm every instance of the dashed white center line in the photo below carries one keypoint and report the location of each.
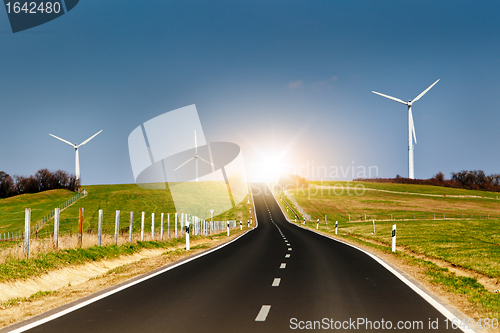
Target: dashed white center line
(287, 256)
(283, 265)
(264, 311)
(276, 282)
(289, 249)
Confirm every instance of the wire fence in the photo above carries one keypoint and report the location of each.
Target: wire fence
(157, 225)
(420, 216)
(9, 232)
(297, 206)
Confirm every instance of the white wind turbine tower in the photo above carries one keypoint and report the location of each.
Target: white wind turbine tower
(196, 157)
(411, 126)
(74, 145)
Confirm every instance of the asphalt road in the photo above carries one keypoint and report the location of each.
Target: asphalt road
(236, 289)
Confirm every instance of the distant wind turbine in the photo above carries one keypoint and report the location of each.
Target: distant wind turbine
(196, 157)
(411, 126)
(77, 160)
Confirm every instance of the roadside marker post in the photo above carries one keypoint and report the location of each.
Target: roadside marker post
(317, 224)
(241, 225)
(56, 228)
(161, 226)
(142, 226)
(373, 226)
(393, 238)
(187, 232)
(336, 226)
(228, 228)
(153, 226)
(168, 224)
(80, 227)
(99, 228)
(27, 230)
(117, 226)
(130, 227)
(175, 225)
(326, 221)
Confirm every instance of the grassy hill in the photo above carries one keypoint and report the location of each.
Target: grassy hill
(41, 204)
(126, 198)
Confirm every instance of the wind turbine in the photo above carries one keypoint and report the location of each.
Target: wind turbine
(196, 157)
(74, 145)
(411, 126)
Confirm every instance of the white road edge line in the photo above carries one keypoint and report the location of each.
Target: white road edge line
(264, 311)
(276, 282)
(444, 311)
(114, 291)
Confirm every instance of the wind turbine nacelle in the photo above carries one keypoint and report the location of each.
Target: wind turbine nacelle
(409, 103)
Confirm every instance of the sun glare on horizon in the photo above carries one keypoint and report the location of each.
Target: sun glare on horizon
(269, 169)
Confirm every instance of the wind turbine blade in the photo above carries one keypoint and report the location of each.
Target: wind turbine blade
(413, 127)
(390, 97)
(69, 143)
(183, 164)
(93, 136)
(423, 92)
(204, 160)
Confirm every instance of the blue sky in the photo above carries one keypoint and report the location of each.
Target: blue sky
(279, 78)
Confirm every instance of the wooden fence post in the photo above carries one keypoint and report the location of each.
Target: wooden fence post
(27, 230)
(131, 227)
(117, 226)
(56, 228)
(80, 227)
(99, 228)
(161, 227)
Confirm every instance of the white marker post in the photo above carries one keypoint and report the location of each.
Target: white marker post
(187, 233)
(336, 226)
(27, 229)
(56, 228)
(153, 226)
(99, 228)
(241, 225)
(317, 224)
(373, 226)
(161, 227)
(228, 228)
(394, 238)
(326, 221)
(142, 227)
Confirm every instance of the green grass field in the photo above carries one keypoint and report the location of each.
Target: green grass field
(472, 243)
(469, 242)
(126, 198)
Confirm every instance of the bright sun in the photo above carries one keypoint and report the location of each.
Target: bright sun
(269, 170)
